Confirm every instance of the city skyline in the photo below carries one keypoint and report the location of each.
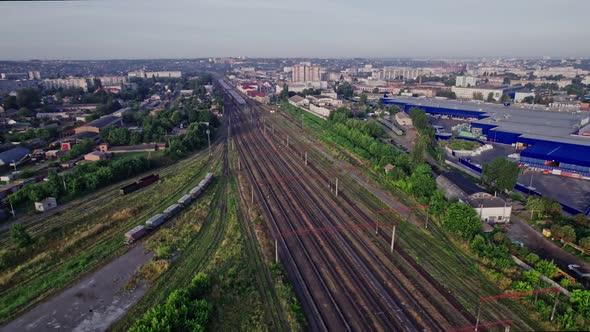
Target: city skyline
(326, 29)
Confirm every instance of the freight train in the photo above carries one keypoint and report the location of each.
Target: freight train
(143, 182)
(154, 222)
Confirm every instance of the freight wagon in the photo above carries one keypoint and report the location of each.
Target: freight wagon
(143, 182)
(196, 191)
(172, 210)
(185, 200)
(155, 221)
(136, 233)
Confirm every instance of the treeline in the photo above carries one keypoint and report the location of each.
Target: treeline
(84, 177)
(184, 310)
(42, 133)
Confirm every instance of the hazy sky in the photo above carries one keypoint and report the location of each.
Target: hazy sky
(304, 28)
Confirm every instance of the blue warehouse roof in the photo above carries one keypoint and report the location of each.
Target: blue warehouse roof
(559, 152)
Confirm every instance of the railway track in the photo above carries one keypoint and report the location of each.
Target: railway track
(373, 290)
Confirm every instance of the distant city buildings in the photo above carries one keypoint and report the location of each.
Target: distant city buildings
(306, 72)
(112, 80)
(154, 74)
(65, 83)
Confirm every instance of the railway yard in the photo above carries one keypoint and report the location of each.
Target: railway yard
(281, 206)
(324, 231)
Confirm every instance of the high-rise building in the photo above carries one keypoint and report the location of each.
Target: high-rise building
(306, 72)
(65, 83)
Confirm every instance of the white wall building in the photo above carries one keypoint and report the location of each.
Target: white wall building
(466, 81)
(489, 208)
(65, 83)
(519, 96)
(154, 74)
(46, 204)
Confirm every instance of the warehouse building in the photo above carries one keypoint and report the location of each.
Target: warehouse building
(549, 140)
(99, 124)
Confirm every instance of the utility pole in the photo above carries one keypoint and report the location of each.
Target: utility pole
(287, 141)
(276, 251)
(239, 164)
(252, 195)
(12, 209)
(336, 191)
(305, 158)
(427, 217)
(554, 306)
(478, 313)
(209, 140)
(392, 237)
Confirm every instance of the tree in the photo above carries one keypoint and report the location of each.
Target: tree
(462, 220)
(363, 98)
(491, 98)
(284, 95)
(478, 96)
(585, 243)
(20, 236)
(546, 268)
(580, 300)
(421, 182)
(375, 90)
(501, 174)
(568, 234)
(582, 220)
(419, 118)
(528, 99)
(505, 98)
(345, 89)
(437, 203)
(28, 97)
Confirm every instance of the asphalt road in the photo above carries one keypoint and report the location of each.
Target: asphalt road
(93, 303)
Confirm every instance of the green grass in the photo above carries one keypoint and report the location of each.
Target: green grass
(72, 248)
(461, 144)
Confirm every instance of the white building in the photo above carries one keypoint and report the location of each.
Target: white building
(306, 72)
(489, 208)
(46, 204)
(586, 80)
(403, 119)
(519, 96)
(112, 80)
(154, 74)
(469, 93)
(466, 81)
(65, 83)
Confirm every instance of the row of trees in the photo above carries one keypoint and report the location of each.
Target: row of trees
(184, 310)
(82, 178)
(500, 174)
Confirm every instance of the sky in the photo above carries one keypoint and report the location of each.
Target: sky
(140, 29)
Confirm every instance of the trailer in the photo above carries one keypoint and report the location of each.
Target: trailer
(172, 210)
(155, 221)
(143, 182)
(203, 184)
(135, 234)
(185, 200)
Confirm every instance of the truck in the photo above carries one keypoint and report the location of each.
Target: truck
(155, 221)
(135, 234)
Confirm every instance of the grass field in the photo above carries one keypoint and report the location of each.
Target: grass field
(86, 235)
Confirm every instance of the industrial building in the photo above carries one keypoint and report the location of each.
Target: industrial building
(549, 140)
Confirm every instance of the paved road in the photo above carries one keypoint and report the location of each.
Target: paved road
(520, 230)
(93, 303)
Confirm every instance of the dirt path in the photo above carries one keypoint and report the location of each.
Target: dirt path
(93, 303)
